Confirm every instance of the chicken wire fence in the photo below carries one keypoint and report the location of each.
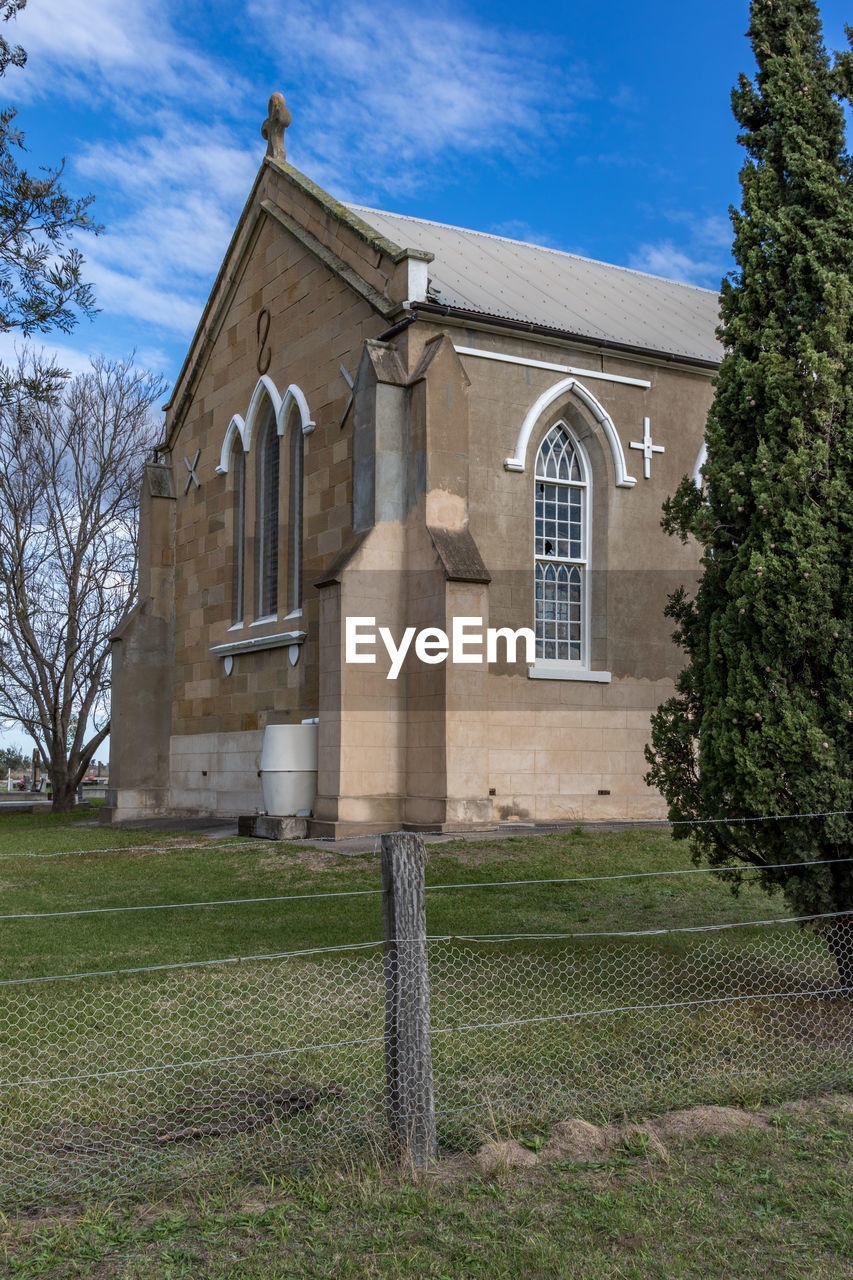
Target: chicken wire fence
(132, 1082)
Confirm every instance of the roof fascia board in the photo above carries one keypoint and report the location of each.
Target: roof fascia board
(439, 312)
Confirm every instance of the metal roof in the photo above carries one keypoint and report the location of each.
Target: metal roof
(512, 280)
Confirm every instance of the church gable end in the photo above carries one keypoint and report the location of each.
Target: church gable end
(357, 433)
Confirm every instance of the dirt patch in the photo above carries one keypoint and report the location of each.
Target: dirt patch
(288, 856)
(639, 1138)
(579, 1141)
(575, 1140)
(705, 1122)
(495, 1157)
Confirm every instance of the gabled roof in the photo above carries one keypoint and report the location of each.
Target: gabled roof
(509, 279)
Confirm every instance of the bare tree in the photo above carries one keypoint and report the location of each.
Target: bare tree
(70, 471)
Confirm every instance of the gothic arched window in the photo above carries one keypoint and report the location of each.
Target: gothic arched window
(266, 519)
(238, 469)
(294, 515)
(561, 523)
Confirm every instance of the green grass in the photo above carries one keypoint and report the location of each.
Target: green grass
(547, 1028)
(240, 869)
(766, 1204)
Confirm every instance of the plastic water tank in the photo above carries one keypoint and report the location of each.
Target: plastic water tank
(289, 768)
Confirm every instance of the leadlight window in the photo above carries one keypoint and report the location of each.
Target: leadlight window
(560, 549)
(238, 469)
(266, 520)
(294, 548)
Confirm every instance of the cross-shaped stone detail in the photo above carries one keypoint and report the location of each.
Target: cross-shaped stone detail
(278, 118)
(647, 447)
(191, 466)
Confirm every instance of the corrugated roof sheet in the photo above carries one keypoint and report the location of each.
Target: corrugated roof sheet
(513, 280)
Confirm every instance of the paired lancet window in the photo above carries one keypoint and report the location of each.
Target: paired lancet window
(238, 469)
(266, 519)
(294, 525)
(561, 522)
(270, 453)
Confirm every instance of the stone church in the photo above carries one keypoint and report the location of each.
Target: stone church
(388, 428)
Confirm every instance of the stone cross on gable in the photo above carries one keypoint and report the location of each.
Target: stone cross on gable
(278, 118)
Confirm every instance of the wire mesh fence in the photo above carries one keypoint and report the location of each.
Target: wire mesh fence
(523, 1039)
(135, 1082)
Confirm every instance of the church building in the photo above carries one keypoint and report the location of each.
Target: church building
(408, 503)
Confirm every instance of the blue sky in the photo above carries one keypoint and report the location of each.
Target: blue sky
(601, 129)
(604, 130)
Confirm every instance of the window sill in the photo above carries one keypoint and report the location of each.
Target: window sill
(284, 638)
(550, 669)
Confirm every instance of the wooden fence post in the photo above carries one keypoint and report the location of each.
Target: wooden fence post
(408, 1054)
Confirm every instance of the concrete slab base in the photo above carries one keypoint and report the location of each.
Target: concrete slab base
(265, 826)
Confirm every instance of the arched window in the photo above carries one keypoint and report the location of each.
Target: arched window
(238, 468)
(294, 541)
(561, 522)
(266, 519)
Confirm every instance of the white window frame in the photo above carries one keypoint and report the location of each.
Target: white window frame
(238, 529)
(564, 668)
(267, 521)
(295, 452)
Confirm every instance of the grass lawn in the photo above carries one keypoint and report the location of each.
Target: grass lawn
(131, 1083)
(112, 872)
(768, 1204)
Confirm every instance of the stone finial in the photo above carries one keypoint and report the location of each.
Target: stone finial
(273, 128)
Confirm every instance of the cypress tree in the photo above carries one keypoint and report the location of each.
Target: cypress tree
(762, 720)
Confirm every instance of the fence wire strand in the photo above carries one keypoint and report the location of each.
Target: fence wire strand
(433, 888)
(637, 875)
(177, 906)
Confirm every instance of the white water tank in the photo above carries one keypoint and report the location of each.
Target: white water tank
(289, 769)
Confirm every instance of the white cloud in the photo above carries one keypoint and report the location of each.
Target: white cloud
(114, 49)
(170, 190)
(395, 95)
(134, 297)
(66, 356)
(182, 194)
(668, 260)
(77, 358)
(701, 257)
(406, 94)
(171, 152)
(713, 230)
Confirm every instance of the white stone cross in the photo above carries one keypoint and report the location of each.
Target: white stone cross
(647, 447)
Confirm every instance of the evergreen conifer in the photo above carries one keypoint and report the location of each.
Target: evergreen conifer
(762, 720)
